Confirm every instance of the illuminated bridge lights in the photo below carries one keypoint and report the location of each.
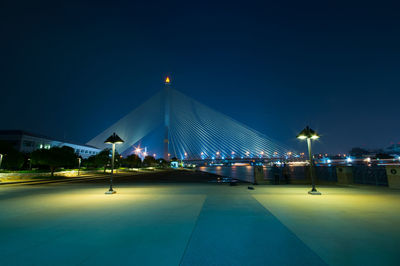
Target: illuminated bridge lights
(192, 128)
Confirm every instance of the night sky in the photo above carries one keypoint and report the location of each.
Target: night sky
(71, 69)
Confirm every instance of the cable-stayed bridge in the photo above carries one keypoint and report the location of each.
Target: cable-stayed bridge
(192, 131)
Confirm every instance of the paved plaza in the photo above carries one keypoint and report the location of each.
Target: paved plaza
(196, 223)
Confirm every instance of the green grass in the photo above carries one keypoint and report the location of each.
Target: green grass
(47, 177)
(25, 171)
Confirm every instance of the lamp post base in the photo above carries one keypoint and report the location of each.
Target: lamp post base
(111, 191)
(314, 192)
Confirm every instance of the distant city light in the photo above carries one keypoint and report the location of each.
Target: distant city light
(349, 160)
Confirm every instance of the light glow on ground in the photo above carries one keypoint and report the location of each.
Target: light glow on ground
(172, 224)
(343, 225)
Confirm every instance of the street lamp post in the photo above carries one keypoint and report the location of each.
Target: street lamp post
(1, 159)
(79, 165)
(113, 139)
(309, 135)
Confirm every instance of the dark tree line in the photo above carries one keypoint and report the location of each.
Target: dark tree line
(378, 154)
(65, 157)
(103, 159)
(51, 159)
(12, 159)
(55, 157)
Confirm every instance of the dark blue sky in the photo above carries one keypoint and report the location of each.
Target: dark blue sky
(73, 68)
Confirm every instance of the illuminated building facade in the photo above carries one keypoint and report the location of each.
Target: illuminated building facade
(27, 142)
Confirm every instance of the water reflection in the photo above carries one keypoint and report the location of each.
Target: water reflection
(362, 174)
(244, 173)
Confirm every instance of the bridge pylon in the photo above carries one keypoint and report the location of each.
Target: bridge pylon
(167, 108)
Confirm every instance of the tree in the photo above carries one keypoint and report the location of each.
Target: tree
(162, 163)
(358, 152)
(12, 159)
(68, 157)
(118, 160)
(54, 158)
(383, 156)
(149, 161)
(90, 162)
(103, 158)
(132, 161)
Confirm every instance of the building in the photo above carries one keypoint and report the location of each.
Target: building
(27, 142)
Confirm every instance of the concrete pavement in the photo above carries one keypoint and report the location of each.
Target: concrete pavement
(168, 223)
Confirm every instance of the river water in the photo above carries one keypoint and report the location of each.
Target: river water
(244, 173)
(362, 174)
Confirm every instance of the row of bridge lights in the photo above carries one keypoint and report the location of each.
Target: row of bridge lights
(247, 153)
(306, 133)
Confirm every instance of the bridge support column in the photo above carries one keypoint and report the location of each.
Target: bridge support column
(167, 108)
